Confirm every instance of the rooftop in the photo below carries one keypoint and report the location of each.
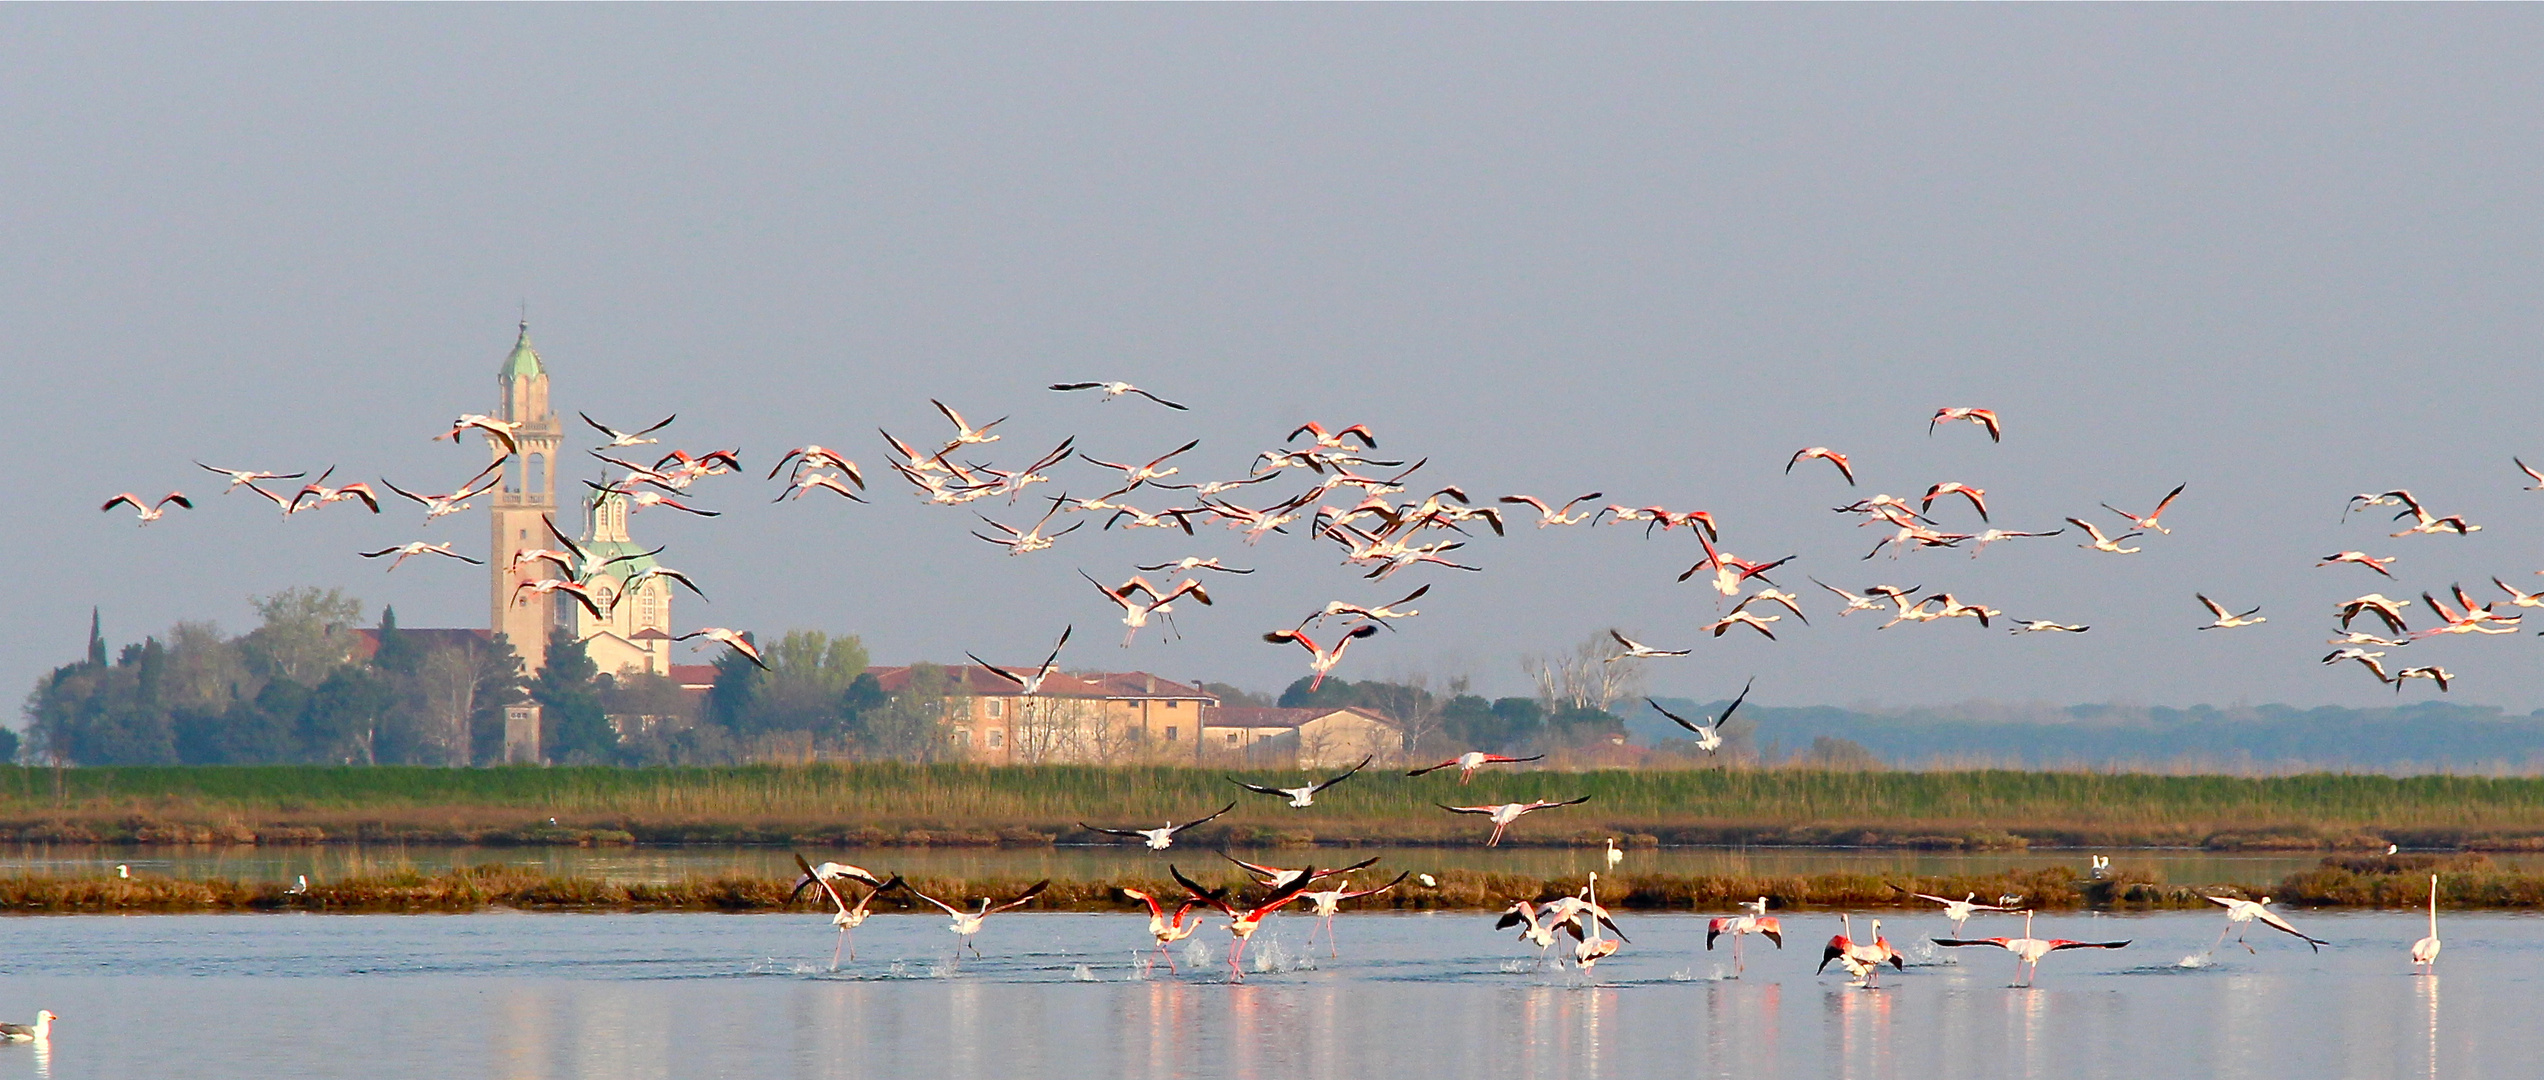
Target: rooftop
(524, 361)
(1237, 716)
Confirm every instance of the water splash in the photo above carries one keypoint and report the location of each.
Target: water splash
(1518, 967)
(1270, 956)
(2197, 960)
(1141, 967)
(1082, 973)
(943, 969)
(1683, 975)
(1198, 953)
(900, 969)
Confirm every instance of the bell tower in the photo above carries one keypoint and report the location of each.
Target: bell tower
(526, 497)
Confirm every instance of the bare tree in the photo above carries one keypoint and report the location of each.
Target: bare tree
(1583, 678)
(448, 679)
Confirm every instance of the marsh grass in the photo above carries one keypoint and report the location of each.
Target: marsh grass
(882, 804)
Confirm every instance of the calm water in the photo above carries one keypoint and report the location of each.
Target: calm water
(336, 862)
(623, 996)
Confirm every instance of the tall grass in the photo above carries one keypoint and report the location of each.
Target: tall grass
(886, 803)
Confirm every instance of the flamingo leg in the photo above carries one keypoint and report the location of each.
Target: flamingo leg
(1739, 963)
(834, 950)
(1496, 841)
(1170, 958)
(1330, 947)
(2221, 939)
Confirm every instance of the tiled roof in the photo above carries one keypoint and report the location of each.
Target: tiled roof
(1233, 716)
(977, 680)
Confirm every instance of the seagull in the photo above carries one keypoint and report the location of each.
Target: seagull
(619, 438)
(968, 923)
(1861, 959)
(2152, 520)
(2424, 952)
(1030, 685)
(40, 1031)
(1302, 797)
(248, 477)
(2390, 611)
(845, 917)
(2241, 912)
(1959, 911)
(149, 512)
(1708, 736)
(1166, 931)
(1502, 814)
(418, 547)
(1116, 389)
(1321, 660)
(1983, 417)
(2103, 543)
(1158, 839)
(733, 639)
(2433, 673)
(1636, 650)
(1825, 454)
(1470, 761)
(1756, 922)
(2225, 621)
(1329, 902)
(2042, 626)
(1560, 515)
(2028, 950)
(2361, 558)
(1977, 497)
(2370, 660)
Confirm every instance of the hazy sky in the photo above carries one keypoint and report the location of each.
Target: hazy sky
(2283, 253)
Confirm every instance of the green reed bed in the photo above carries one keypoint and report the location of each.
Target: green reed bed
(965, 804)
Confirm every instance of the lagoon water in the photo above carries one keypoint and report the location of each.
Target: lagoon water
(1069, 995)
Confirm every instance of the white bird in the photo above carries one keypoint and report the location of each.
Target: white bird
(1470, 761)
(1615, 854)
(2424, 952)
(1636, 650)
(2028, 950)
(40, 1031)
(1502, 814)
(248, 477)
(1116, 389)
(825, 873)
(1302, 797)
(2105, 543)
(1756, 921)
(1593, 946)
(619, 438)
(968, 923)
(845, 917)
(1862, 959)
(1030, 685)
(1321, 660)
(2152, 520)
(2041, 626)
(1959, 911)
(1558, 515)
(1708, 735)
(149, 512)
(1163, 837)
(2225, 621)
(2371, 660)
(1329, 902)
(418, 547)
(2361, 558)
(2240, 913)
(2355, 637)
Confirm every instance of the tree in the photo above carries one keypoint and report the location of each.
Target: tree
(910, 725)
(1235, 698)
(306, 632)
(342, 723)
(1583, 678)
(1831, 752)
(573, 727)
(808, 671)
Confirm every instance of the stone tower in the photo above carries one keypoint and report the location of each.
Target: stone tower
(523, 503)
(634, 634)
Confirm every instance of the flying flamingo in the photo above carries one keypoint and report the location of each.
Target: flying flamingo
(2042, 626)
(1854, 603)
(1559, 515)
(1116, 389)
(2153, 520)
(1135, 613)
(1535, 930)
(2538, 485)
(1194, 562)
(2386, 609)
(732, 639)
(817, 457)
(1825, 454)
(1029, 540)
(1321, 660)
(1731, 570)
(2028, 950)
(1379, 614)
(1983, 417)
(418, 547)
(1861, 959)
(1329, 902)
(1593, 946)
(496, 430)
(1274, 877)
(2105, 543)
(1166, 930)
(964, 433)
(1241, 924)
(1756, 921)
(1158, 839)
(805, 482)
(845, 916)
(149, 512)
(1993, 535)
(551, 586)
(1959, 911)
(2363, 559)
(638, 499)
(1470, 761)
(1740, 615)
(444, 505)
(2423, 521)
(2433, 673)
(1303, 797)
(1977, 497)
(1502, 814)
(248, 477)
(2468, 621)
(1636, 650)
(2240, 913)
(968, 923)
(828, 872)
(1030, 685)
(1335, 441)
(2226, 621)
(1708, 736)
(2370, 660)
(619, 438)
(2424, 952)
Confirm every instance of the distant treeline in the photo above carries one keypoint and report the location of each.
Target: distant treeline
(2429, 736)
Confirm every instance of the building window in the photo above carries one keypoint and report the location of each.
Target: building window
(1172, 734)
(995, 708)
(962, 737)
(1174, 704)
(997, 738)
(1232, 738)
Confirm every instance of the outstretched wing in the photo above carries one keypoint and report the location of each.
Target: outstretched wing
(1364, 763)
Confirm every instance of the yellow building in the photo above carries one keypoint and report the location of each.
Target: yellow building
(1093, 718)
(633, 633)
(1303, 738)
(524, 502)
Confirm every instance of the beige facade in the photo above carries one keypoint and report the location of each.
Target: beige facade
(1106, 718)
(1303, 738)
(522, 502)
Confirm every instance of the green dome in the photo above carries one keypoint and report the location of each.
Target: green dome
(524, 361)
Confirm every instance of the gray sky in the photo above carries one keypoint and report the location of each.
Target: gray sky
(2282, 253)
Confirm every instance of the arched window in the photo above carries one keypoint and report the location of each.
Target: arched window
(533, 473)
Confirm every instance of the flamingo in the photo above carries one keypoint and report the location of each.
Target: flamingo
(2386, 609)
(1959, 911)
(1116, 389)
(638, 499)
(1756, 921)
(552, 586)
(436, 506)
(2153, 519)
(1861, 959)
(1135, 475)
(2239, 913)
(1708, 736)
(1194, 562)
(964, 433)
(150, 512)
(1983, 417)
(1593, 946)
(968, 923)
(808, 481)
(2042, 626)
(2105, 543)
(1159, 839)
(1135, 613)
(2424, 952)
(2224, 621)
(637, 437)
(846, 917)
(1329, 902)
(818, 457)
(1559, 515)
(2422, 520)
(1470, 761)
(1502, 814)
(826, 872)
(2028, 950)
(1993, 535)
(248, 477)
(418, 547)
(1740, 615)
(40, 1031)
(1535, 930)
(1917, 612)
(2433, 673)
(1854, 603)
(1166, 930)
(2363, 559)
(1977, 497)
(1241, 924)
(1951, 607)
(2468, 621)
(1731, 570)
(2355, 637)
(1636, 650)
(2369, 660)
(1379, 614)
(1321, 660)
(1303, 797)
(2519, 599)
(1274, 877)
(1615, 854)
(1824, 454)
(1334, 441)
(1029, 540)
(496, 430)
(2538, 485)
(1030, 685)
(1570, 912)
(736, 640)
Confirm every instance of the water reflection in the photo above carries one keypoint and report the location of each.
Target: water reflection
(2428, 991)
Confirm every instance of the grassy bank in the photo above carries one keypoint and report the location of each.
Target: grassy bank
(885, 804)
(2369, 881)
